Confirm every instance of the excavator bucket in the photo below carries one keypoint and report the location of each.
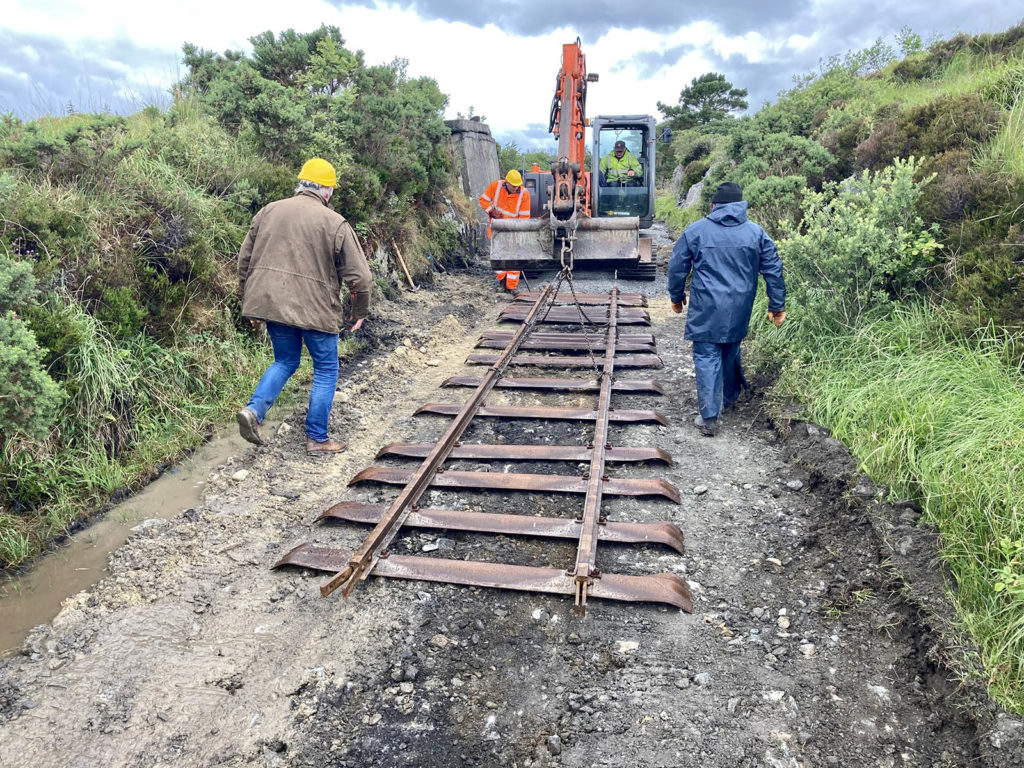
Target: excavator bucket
(530, 243)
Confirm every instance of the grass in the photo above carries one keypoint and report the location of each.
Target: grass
(678, 219)
(939, 417)
(171, 398)
(1005, 153)
(178, 395)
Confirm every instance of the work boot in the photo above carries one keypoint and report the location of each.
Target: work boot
(314, 448)
(249, 426)
(707, 427)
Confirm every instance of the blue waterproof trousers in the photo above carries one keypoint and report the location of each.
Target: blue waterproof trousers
(719, 376)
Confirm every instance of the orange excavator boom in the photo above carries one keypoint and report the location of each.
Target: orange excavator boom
(571, 191)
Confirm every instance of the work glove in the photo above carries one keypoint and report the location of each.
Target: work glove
(677, 306)
(491, 213)
(357, 325)
(778, 318)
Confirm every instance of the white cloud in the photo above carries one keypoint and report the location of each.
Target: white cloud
(505, 77)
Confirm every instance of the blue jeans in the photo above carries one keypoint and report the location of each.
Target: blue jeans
(719, 376)
(323, 349)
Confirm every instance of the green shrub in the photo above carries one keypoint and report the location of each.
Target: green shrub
(120, 313)
(17, 284)
(78, 148)
(919, 66)
(860, 250)
(694, 172)
(842, 141)
(678, 219)
(29, 398)
(306, 94)
(988, 278)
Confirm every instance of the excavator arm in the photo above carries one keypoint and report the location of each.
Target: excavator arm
(571, 188)
(567, 232)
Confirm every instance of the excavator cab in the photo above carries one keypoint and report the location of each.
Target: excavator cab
(583, 216)
(621, 195)
(620, 208)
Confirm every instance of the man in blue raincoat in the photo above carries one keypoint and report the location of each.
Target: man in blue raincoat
(725, 253)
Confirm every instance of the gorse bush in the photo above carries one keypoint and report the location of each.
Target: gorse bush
(300, 94)
(860, 250)
(29, 397)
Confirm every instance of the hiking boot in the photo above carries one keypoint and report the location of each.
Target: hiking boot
(707, 427)
(249, 426)
(314, 448)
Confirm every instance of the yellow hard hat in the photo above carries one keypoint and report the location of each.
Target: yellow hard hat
(514, 178)
(320, 172)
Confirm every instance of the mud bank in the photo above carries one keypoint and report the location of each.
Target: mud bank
(812, 643)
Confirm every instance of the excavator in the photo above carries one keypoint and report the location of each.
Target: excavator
(578, 217)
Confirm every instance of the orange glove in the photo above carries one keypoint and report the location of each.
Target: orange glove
(778, 318)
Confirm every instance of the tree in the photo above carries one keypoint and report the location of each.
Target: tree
(707, 99)
(304, 94)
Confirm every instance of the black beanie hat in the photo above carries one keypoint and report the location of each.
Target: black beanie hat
(728, 192)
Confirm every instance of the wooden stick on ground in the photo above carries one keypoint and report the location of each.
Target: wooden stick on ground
(405, 269)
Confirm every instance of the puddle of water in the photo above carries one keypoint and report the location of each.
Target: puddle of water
(35, 597)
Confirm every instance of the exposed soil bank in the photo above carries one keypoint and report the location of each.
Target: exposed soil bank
(805, 647)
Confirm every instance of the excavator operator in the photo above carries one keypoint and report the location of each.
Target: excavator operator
(620, 166)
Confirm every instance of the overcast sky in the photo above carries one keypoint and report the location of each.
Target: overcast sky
(496, 57)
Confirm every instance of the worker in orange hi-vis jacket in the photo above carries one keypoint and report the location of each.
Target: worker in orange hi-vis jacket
(506, 199)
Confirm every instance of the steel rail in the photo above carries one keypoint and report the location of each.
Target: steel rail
(512, 525)
(568, 361)
(376, 543)
(585, 569)
(625, 299)
(646, 386)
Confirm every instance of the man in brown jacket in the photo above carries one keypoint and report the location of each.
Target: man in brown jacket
(291, 267)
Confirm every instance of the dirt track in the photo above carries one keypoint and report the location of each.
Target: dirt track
(804, 648)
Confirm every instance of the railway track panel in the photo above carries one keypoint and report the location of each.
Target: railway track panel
(536, 457)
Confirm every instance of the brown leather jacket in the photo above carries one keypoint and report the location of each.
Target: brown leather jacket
(293, 262)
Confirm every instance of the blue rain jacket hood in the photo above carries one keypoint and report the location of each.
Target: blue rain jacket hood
(725, 253)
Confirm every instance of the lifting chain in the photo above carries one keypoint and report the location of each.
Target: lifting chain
(584, 322)
(566, 258)
(567, 245)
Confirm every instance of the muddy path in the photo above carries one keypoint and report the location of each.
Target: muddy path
(806, 646)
